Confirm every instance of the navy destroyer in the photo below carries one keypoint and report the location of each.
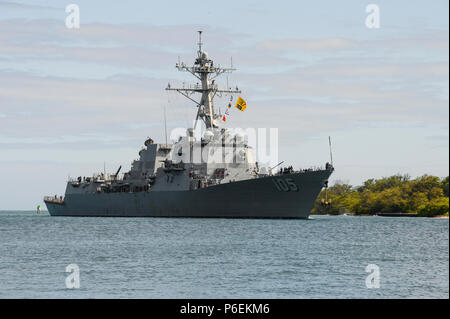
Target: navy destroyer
(211, 175)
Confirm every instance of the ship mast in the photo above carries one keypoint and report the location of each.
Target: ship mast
(204, 70)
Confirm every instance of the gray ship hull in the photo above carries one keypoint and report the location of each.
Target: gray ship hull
(262, 197)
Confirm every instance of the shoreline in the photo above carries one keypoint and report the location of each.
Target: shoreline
(385, 215)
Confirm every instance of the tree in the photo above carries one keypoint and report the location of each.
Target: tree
(444, 185)
(426, 195)
(426, 183)
(438, 206)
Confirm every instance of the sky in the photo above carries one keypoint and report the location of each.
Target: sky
(75, 100)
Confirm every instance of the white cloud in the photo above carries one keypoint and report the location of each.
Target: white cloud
(18, 5)
(309, 44)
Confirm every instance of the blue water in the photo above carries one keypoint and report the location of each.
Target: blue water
(324, 257)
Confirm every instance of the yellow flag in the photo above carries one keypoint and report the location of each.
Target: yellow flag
(240, 104)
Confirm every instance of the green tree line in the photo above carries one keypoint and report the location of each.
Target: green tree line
(425, 195)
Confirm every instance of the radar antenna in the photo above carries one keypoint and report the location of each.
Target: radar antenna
(199, 41)
(204, 70)
(331, 152)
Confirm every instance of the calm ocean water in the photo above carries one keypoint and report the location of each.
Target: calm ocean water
(324, 257)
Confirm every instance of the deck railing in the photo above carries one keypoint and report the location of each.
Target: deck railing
(54, 199)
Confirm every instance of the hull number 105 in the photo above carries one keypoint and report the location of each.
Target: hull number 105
(285, 184)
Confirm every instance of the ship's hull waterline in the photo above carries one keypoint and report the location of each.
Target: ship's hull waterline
(264, 197)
